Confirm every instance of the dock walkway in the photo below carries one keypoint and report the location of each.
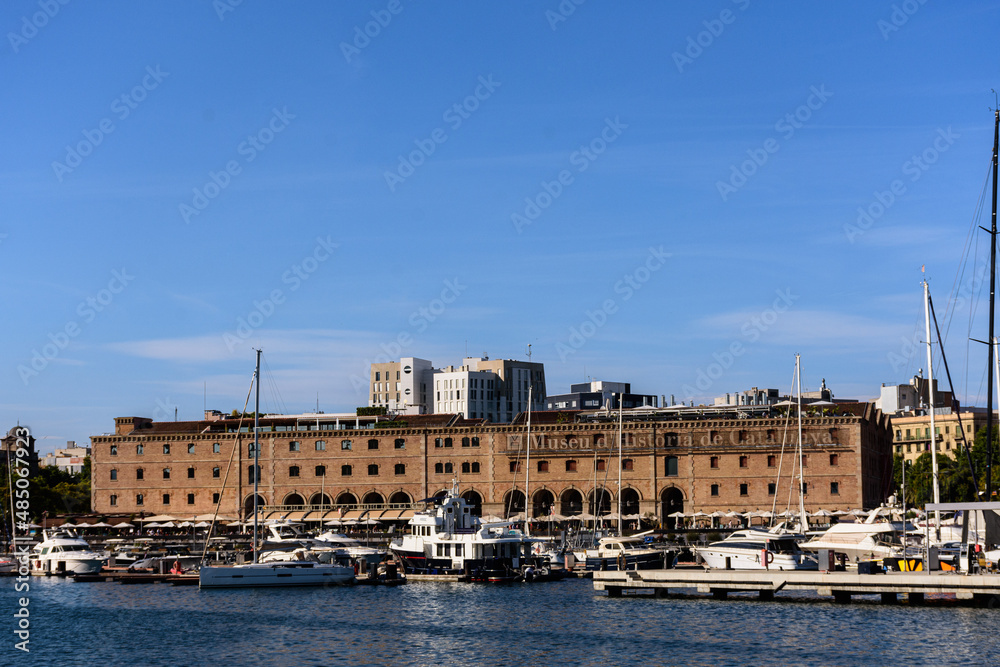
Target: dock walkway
(841, 586)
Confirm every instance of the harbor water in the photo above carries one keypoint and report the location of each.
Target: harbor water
(560, 623)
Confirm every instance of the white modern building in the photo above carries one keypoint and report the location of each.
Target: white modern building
(69, 458)
(481, 388)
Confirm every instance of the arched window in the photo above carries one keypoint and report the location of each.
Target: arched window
(216, 472)
(448, 468)
(439, 468)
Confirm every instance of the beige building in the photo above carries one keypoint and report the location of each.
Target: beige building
(323, 464)
(912, 433)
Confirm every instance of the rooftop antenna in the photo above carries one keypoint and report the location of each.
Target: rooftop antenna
(317, 402)
(529, 353)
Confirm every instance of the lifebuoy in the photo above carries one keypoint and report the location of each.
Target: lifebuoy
(769, 557)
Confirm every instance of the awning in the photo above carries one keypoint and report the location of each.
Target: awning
(354, 514)
(394, 515)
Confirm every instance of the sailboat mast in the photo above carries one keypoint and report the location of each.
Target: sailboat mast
(803, 519)
(993, 281)
(527, 466)
(930, 407)
(621, 403)
(256, 450)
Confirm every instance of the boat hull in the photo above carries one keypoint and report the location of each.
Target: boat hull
(275, 575)
(43, 566)
(646, 561)
(743, 559)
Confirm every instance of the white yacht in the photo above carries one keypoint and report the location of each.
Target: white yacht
(448, 540)
(751, 549)
(63, 551)
(874, 539)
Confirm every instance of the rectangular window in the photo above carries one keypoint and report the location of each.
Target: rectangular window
(373, 444)
(114, 450)
(321, 471)
(834, 459)
(400, 443)
(627, 464)
(345, 470)
(744, 489)
(190, 448)
(216, 448)
(515, 466)
(138, 499)
(293, 471)
(834, 488)
(321, 445)
(373, 469)
(600, 465)
(138, 473)
(215, 498)
(744, 461)
(400, 469)
(715, 489)
(543, 466)
(772, 460)
(570, 466)
(114, 500)
(166, 473)
(114, 474)
(771, 488)
(216, 472)
(713, 462)
(190, 499)
(671, 466)
(166, 448)
(294, 446)
(166, 498)
(190, 473)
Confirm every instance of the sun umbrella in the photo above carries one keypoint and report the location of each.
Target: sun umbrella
(69, 525)
(155, 524)
(168, 524)
(677, 515)
(84, 525)
(202, 524)
(822, 512)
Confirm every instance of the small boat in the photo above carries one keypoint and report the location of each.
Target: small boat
(627, 553)
(751, 549)
(62, 551)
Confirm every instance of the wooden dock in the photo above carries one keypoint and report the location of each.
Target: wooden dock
(841, 586)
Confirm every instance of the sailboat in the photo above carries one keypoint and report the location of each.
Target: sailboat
(304, 572)
(756, 549)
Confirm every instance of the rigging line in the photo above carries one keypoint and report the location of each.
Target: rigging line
(232, 455)
(972, 234)
(969, 239)
(961, 430)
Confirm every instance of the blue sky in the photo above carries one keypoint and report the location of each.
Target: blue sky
(661, 193)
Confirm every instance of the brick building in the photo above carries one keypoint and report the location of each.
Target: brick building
(703, 463)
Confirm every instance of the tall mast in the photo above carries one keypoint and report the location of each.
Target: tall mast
(803, 519)
(527, 465)
(930, 407)
(621, 403)
(256, 450)
(993, 281)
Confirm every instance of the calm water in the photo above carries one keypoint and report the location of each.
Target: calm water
(555, 624)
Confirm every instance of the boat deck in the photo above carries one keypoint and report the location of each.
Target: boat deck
(839, 585)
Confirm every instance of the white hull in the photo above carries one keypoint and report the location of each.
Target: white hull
(52, 565)
(261, 575)
(741, 559)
